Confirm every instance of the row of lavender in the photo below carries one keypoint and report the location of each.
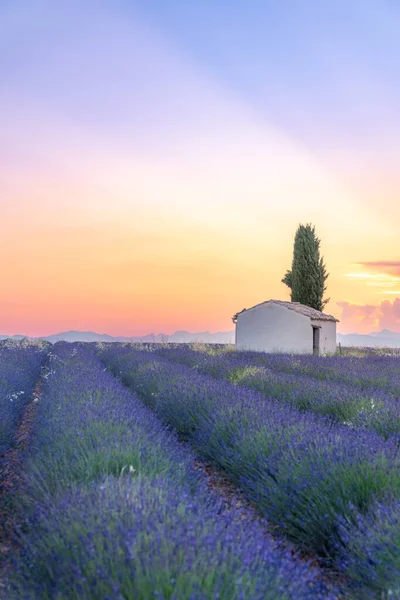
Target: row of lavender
(370, 372)
(332, 489)
(114, 508)
(299, 381)
(20, 365)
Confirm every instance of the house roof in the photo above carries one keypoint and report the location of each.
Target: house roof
(307, 311)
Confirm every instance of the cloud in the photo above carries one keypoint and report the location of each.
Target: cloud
(390, 315)
(383, 274)
(358, 318)
(391, 267)
(364, 318)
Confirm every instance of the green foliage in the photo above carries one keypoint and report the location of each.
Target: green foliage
(375, 556)
(287, 280)
(308, 274)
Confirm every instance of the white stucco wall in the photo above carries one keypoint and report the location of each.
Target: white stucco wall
(274, 328)
(327, 338)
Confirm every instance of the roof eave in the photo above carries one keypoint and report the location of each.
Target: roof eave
(324, 319)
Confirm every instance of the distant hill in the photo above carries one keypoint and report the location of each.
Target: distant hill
(223, 337)
(83, 336)
(385, 338)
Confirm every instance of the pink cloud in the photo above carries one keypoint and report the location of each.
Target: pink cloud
(390, 312)
(391, 267)
(358, 318)
(364, 318)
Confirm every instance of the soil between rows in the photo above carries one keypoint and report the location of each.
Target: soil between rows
(11, 480)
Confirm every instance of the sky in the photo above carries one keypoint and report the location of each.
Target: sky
(156, 159)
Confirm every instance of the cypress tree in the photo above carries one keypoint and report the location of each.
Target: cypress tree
(308, 274)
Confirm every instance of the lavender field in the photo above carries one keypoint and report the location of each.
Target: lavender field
(20, 365)
(112, 503)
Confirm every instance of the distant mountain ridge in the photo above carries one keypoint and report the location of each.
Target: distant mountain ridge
(221, 337)
(384, 338)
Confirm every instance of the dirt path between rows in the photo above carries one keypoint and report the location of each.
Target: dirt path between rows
(11, 482)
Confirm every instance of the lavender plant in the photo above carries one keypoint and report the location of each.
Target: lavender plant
(375, 372)
(139, 538)
(374, 556)
(345, 403)
(88, 427)
(113, 507)
(305, 473)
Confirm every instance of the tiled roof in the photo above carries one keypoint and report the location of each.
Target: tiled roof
(302, 309)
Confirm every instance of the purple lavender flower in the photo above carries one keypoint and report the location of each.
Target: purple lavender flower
(113, 507)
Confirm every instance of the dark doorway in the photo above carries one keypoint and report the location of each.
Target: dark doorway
(315, 339)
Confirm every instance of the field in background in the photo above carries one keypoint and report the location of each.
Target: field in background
(361, 351)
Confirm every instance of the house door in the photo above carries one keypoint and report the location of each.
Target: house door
(316, 336)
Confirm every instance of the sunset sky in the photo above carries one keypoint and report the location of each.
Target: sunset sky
(157, 157)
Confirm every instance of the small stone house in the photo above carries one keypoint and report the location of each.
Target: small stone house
(278, 326)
